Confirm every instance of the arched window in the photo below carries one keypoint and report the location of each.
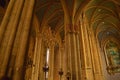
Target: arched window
(113, 57)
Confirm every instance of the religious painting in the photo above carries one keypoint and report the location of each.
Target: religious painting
(113, 57)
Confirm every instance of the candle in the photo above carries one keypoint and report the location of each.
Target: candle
(47, 55)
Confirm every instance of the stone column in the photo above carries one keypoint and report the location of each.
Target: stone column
(6, 18)
(68, 52)
(9, 36)
(96, 58)
(64, 63)
(60, 57)
(99, 58)
(18, 70)
(87, 71)
(29, 58)
(37, 59)
(16, 42)
(62, 60)
(73, 54)
(34, 58)
(51, 62)
(42, 59)
(78, 49)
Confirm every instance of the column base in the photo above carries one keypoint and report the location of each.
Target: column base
(87, 74)
(98, 76)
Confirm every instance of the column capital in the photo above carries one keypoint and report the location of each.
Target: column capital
(51, 43)
(72, 28)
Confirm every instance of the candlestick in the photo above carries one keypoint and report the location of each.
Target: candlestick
(47, 57)
(61, 73)
(45, 69)
(68, 75)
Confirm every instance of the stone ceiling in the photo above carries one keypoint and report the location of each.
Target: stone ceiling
(103, 16)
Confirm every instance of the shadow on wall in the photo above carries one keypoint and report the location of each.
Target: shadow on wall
(2, 3)
(5, 78)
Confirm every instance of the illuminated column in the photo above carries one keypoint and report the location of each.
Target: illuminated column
(60, 72)
(87, 70)
(68, 51)
(60, 59)
(29, 59)
(99, 58)
(6, 20)
(51, 62)
(16, 42)
(42, 61)
(73, 53)
(9, 35)
(64, 62)
(34, 58)
(78, 49)
(96, 58)
(37, 58)
(19, 62)
(62, 55)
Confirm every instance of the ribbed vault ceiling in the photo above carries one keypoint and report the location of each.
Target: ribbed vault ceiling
(103, 16)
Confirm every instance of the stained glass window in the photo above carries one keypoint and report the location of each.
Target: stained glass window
(113, 56)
